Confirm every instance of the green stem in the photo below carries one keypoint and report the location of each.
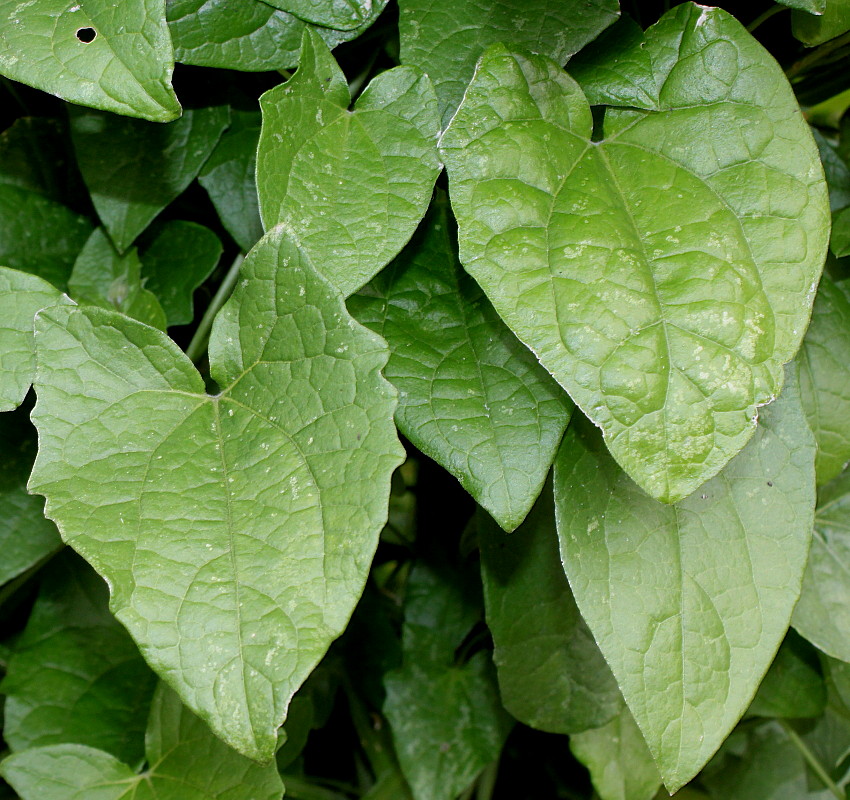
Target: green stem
(764, 17)
(357, 82)
(486, 784)
(198, 344)
(818, 54)
(812, 760)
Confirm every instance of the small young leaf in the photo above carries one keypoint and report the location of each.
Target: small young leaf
(135, 169)
(75, 675)
(236, 531)
(351, 215)
(652, 580)
(551, 673)
(472, 396)
(662, 296)
(93, 52)
(445, 38)
(185, 761)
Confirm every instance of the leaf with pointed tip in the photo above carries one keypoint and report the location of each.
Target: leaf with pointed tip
(104, 277)
(235, 531)
(824, 361)
(444, 38)
(652, 580)
(659, 294)
(186, 761)
(343, 15)
(351, 215)
(22, 296)
(75, 675)
(249, 36)
(551, 673)
(116, 57)
(472, 397)
(812, 30)
(178, 258)
(134, 169)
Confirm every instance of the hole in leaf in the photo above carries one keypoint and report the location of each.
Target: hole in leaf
(86, 35)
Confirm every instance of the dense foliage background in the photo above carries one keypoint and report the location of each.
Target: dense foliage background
(487, 255)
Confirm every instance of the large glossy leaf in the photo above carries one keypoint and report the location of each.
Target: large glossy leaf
(825, 377)
(351, 186)
(134, 169)
(551, 673)
(75, 675)
(662, 296)
(235, 531)
(472, 397)
(186, 763)
(97, 53)
(813, 30)
(653, 581)
(446, 37)
(249, 35)
(823, 613)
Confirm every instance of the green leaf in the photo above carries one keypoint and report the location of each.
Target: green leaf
(344, 15)
(135, 169)
(350, 214)
(812, 6)
(75, 675)
(235, 531)
(178, 259)
(662, 296)
(824, 363)
(617, 757)
(93, 52)
(823, 613)
(472, 397)
(22, 296)
(186, 763)
(104, 277)
(653, 581)
(428, 696)
(250, 35)
(445, 38)
(836, 171)
(840, 239)
(229, 178)
(813, 30)
(551, 673)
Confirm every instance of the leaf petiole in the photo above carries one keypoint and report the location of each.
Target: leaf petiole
(811, 760)
(198, 344)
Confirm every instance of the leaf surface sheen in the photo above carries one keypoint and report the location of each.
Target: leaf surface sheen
(236, 531)
(125, 67)
(689, 602)
(471, 396)
(350, 186)
(658, 292)
(340, 14)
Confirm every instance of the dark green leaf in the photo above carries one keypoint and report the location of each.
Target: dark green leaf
(836, 171)
(343, 15)
(813, 30)
(840, 239)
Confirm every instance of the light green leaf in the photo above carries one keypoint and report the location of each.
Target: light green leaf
(249, 36)
(813, 30)
(840, 239)
(93, 52)
(824, 361)
(351, 215)
(662, 297)
(103, 277)
(344, 15)
(235, 531)
(430, 693)
(229, 178)
(473, 398)
(444, 38)
(186, 762)
(551, 673)
(620, 765)
(75, 675)
(180, 257)
(812, 6)
(653, 581)
(823, 613)
(135, 169)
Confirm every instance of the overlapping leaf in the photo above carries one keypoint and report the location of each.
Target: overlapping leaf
(689, 602)
(471, 396)
(343, 15)
(833, 21)
(658, 291)
(350, 186)
(93, 52)
(236, 531)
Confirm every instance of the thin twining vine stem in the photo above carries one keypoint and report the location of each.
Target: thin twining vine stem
(198, 344)
(812, 760)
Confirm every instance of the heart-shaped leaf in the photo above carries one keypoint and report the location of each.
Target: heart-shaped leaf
(236, 531)
(112, 56)
(352, 215)
(656, 287)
